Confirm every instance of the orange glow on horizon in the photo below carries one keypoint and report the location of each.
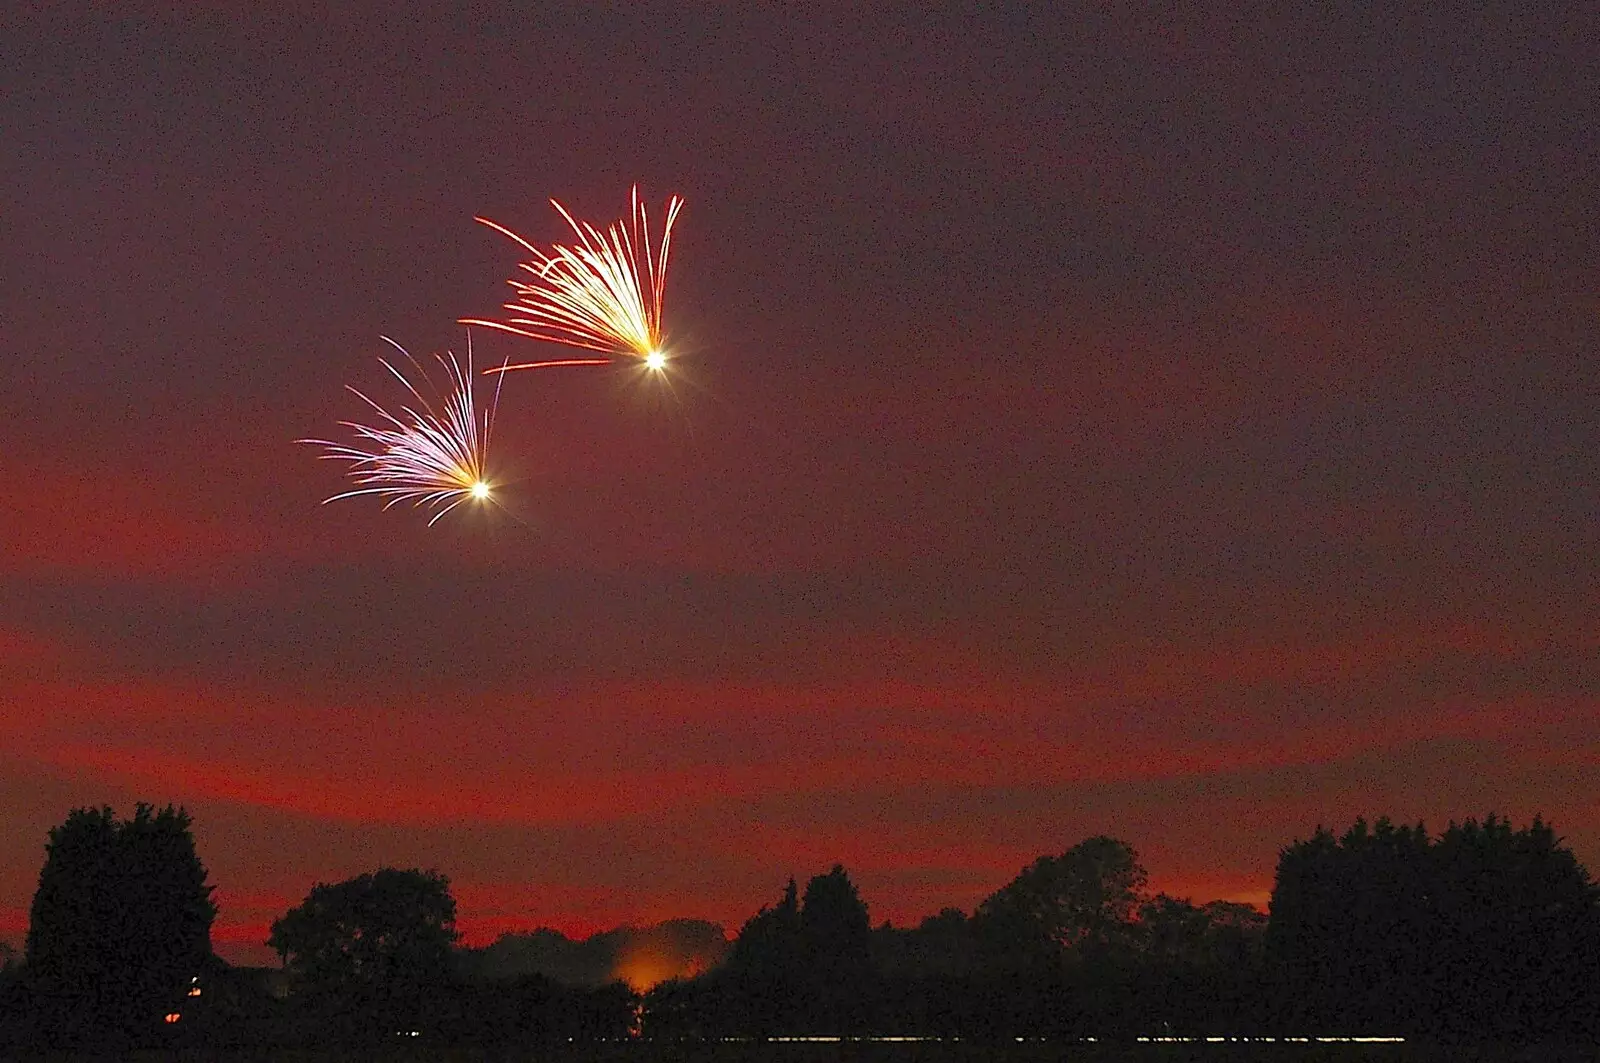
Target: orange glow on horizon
(643, 971)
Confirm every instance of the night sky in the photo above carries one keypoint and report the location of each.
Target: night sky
(1178, 428)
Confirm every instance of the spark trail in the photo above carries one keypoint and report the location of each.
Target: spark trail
(434, 458)
(603, 293)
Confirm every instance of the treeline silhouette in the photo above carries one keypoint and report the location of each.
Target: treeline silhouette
(1484, 933)
(638, 956)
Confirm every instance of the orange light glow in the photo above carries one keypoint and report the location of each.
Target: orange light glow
(643, 971)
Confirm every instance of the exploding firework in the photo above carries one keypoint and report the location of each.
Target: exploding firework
(434, 458)
(602, 294)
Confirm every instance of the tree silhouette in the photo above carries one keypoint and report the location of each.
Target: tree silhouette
(120, 925)
(769, 942)
(1083, 902)
(1175, 932)
(1350, 925)
(940, 945)
(1199, 969)
(835, 940)
(834, 929)
(795, 967)
(1488, 932)
(364, 950)
(1516, 932)
(758, 990)
(13, 994)
(385, 926)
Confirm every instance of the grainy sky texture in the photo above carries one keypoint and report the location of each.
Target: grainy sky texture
(1177, 427)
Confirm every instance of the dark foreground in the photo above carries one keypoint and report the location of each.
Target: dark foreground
(879, 1052)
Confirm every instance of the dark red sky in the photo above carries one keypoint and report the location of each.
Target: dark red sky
(1177, 428)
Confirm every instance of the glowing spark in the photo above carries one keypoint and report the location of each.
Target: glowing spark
(655, 360)
(432, 458)
(602, 294)
(508, 367)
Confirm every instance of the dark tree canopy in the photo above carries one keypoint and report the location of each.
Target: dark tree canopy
(1083, 902)
(1177, 933)
(834, 928)
(387, 927)
(940, 946)
(120, 924)
(1487, 932)
(769, 941)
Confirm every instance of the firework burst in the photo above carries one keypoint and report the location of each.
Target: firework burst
(602, 293)
(433, 457)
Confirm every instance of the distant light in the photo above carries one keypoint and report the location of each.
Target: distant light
(1170, 1039)
(173, 1016)
(194, 991)
(480, 490)
(655, 360)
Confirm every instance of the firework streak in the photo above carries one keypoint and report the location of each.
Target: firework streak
(433, 458)
(603, 293)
